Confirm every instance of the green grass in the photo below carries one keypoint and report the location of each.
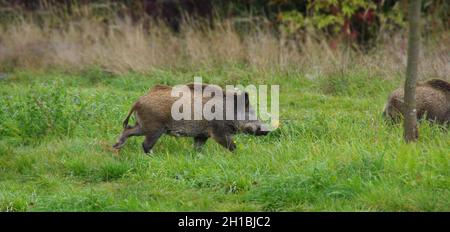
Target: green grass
(333, 151)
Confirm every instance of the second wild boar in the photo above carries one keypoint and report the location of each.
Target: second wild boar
(432, 102)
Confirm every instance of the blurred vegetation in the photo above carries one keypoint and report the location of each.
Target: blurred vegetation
(357, 21)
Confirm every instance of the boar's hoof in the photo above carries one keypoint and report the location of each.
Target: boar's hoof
(117, 145)
(147, 149)
(232, 147)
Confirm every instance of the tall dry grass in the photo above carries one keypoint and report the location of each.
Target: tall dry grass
(122, 46)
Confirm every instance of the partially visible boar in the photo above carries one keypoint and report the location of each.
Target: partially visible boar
(432, 102)
(154, 118)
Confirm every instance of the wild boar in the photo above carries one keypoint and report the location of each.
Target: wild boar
(432, 102)
(153, 113)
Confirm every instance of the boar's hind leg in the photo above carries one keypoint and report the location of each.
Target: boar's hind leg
(199, 141)
(150, 140)
(128, 132)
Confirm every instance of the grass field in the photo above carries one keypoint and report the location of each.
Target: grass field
(333, 151)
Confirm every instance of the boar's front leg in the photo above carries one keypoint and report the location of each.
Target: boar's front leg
(226, 141)
(150, 140)
(199, 141)
(224, 137)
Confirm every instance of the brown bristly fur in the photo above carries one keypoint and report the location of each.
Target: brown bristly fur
(121, 46)
(154, 118)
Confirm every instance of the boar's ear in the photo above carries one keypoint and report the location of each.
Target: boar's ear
(237, 98)
(247, 100)
(439, 85)
(236, 101)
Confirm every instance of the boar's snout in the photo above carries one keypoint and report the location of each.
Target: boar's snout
(256, 129)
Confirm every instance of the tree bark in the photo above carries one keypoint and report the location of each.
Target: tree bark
(411, 133)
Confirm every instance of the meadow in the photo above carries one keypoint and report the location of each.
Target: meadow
(67, 84)
(333, 151)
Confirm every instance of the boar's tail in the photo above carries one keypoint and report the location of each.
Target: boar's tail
(125, 122)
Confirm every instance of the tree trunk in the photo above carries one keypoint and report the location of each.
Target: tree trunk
(411, 132)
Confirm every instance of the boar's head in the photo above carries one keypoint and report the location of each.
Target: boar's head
(245, 117)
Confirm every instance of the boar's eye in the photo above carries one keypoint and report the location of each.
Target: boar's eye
(249, 129)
